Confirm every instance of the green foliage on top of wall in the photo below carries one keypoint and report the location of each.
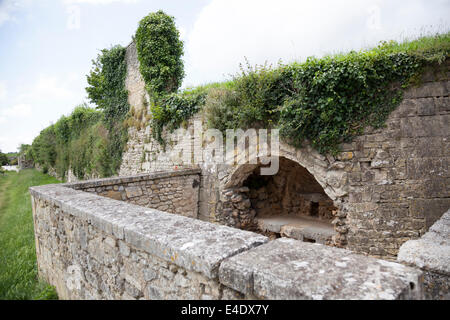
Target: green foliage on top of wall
(172, 109)
(336, 98)
(159, 52)
(324, 101)
(79, 141)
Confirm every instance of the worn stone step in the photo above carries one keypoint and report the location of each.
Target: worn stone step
(298, 227)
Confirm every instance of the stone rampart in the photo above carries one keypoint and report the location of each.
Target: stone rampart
(174, 192)
(93, 247)
(389, 185)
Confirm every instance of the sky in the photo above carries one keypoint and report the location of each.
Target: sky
(47, 46)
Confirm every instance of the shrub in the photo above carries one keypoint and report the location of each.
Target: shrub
(77, 141)
(325, 101)
(3, 159)
(173, 109)
(222, 109)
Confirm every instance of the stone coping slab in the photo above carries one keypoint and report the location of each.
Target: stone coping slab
(129, 179)
(290, 269)
(189, 243)
(432, 251)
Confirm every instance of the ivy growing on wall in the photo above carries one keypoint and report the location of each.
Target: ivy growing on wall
(107, 90)
(325, 101)
(336, 98)
(172, 109)
(107, 83)
(77, 141)
(159, 52)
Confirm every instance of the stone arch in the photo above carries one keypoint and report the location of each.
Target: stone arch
(331, 175)
(239, 207)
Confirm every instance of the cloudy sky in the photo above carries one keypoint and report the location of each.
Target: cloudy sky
(46, 46)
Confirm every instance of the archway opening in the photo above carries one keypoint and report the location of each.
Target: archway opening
(290, 204)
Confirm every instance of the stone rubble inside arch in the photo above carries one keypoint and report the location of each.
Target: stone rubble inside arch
(289, 204)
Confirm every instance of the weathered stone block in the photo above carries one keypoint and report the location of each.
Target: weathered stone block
(429, 209)
(290, 269)
(133, 192)
(431, 253)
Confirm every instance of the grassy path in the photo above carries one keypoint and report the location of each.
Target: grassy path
(18, 268)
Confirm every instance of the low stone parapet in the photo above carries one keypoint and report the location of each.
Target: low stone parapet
(291, 269)
(94, 247)
(174, 192)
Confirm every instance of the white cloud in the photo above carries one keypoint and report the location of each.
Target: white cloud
(6, 11)
(12, 143)
(17, 111)
(3, 91)
(98, 1)
(9, 8)
(227, 30)
(30, 108)
(49, 88)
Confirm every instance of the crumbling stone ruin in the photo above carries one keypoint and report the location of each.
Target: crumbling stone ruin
(164, 229)
(24, 163)
(93, 247)
(388, 185)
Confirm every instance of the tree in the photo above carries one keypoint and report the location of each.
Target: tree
(3, 159)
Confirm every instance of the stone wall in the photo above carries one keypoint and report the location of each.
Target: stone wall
(389, 185)
(431, 253)
(292, 191)
(134, 83)
(23, 163)
(174, 192)
(93, 247)
(399, 180)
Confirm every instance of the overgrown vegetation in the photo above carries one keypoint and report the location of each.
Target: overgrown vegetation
(78, 141)
(323, 101)
(89, 141)
(4, 160)
(159, 52)
(107, 90)
(172, 109)
(18, 268)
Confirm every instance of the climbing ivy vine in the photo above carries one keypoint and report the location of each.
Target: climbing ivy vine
(325, 101)
(107, 90)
